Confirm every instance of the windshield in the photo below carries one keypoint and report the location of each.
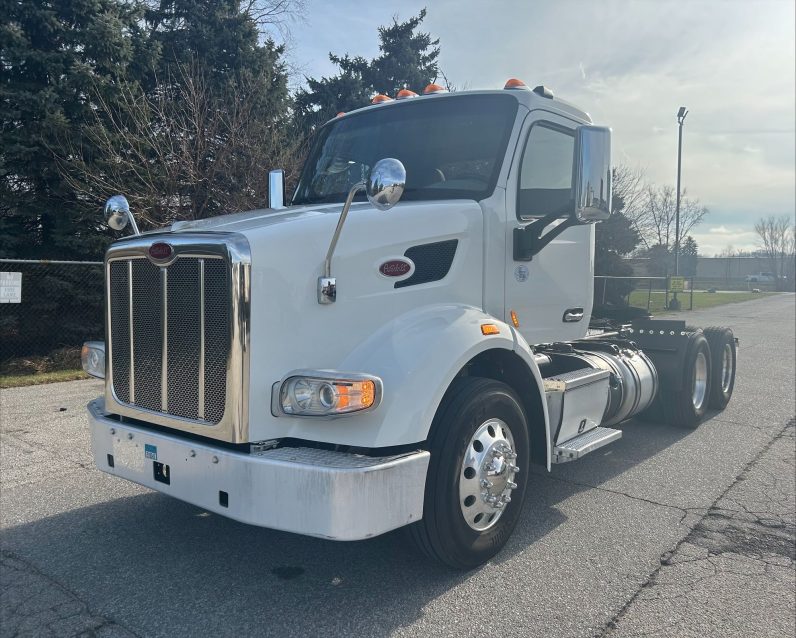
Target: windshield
(451, 147)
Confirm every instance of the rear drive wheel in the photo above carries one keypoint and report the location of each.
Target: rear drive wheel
(687, 406)
(477, 476)
(724, 355)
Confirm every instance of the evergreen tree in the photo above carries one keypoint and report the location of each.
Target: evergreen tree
(615, 238)
(207, 122)
(54, 56)
(408, 59)
(689, 253)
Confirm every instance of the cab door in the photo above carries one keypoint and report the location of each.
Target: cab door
(552, 293)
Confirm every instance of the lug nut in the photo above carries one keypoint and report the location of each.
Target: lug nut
(507, 499)
(486, 484)
(511, 485)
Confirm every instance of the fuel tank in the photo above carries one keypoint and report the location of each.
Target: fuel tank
(633, 380)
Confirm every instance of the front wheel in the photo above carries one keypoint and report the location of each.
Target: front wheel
(477, 476)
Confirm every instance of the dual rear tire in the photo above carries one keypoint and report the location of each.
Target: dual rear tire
(707, 379)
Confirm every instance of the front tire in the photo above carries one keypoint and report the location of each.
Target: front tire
(477, 476)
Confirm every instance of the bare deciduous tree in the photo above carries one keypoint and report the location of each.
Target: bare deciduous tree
(181, 153)
(656, 219)
(778, 243)
(629, 191)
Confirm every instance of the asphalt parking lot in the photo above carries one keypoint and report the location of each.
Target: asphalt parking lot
(667, 532)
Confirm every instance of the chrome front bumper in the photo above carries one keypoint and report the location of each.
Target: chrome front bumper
(322, 493)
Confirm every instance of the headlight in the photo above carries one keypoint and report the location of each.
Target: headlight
(92, 356)
(309, 393)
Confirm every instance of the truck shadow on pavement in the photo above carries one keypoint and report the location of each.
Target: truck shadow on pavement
(162, 567)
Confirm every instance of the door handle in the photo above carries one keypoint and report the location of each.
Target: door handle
(572, 315)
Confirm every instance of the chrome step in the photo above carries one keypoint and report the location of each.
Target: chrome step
(584, 443)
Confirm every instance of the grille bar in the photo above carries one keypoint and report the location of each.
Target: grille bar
(130, 325)
(201, 402)
(164, 358)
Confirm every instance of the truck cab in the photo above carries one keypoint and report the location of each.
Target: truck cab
(397, 345)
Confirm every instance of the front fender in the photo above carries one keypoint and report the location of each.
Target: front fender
(417, 356)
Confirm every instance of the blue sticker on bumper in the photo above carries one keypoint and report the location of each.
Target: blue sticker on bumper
(151, 452)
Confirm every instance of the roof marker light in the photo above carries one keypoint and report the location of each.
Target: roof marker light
(434, 88)
(405, 93)
(514, 83)
(341, 114)
(379, 98)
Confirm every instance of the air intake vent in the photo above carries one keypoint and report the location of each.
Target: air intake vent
(432, 262)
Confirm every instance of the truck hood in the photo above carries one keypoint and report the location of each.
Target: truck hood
(261, 218)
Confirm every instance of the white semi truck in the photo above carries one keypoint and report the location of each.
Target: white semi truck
(331, 369)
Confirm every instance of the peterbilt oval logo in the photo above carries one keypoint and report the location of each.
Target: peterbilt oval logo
(395, 267)
(160, 251)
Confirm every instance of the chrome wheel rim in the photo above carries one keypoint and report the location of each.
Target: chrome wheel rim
(486, 476)
(700, 380)
(726, 368)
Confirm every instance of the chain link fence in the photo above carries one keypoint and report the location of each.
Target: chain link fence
(650, 293)
(48, 309)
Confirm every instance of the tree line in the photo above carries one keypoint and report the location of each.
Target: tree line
(182, 105)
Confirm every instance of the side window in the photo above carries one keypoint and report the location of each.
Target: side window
(545, 184)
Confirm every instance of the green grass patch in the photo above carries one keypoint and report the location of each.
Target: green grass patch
(19, 380)
(702, 299)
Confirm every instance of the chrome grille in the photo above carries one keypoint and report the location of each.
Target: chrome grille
(170, 335)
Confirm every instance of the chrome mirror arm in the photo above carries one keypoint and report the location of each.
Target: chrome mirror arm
(327, 264)
(133, 225)
(384, 186)
(327, 285)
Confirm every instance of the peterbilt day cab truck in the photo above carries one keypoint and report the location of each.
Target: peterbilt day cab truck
(332, 369)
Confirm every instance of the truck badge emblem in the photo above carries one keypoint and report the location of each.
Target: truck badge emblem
(395, 267)
(521, 273)
(160, 251)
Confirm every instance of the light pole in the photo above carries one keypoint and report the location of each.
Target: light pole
(674, 304)
(680, 119)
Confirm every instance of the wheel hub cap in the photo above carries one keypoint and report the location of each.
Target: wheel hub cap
(726, 369)
(486, 478)
(700, 380)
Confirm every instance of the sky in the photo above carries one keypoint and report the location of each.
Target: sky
(631, 65)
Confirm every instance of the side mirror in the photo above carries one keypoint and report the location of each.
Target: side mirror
(386, 183)
(117, 214)
(592, 182)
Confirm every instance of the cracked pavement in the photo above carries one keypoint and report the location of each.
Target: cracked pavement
(666, 532)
